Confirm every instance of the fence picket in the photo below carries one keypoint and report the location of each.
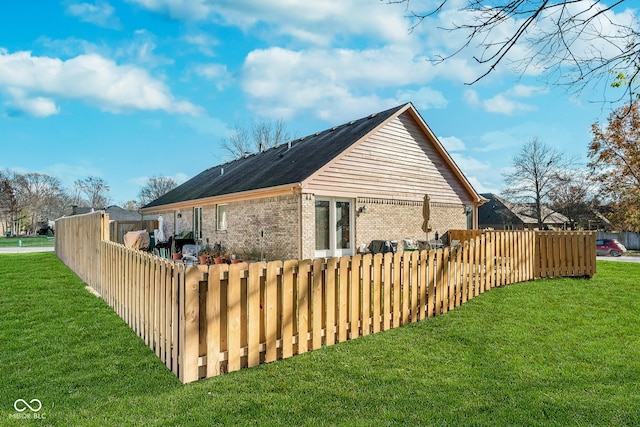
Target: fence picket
(288, 298)
(377, 291)
(354, 313)
(366, 295)
(343, 315)
(330, 323)
(303, 306)
(387, 310)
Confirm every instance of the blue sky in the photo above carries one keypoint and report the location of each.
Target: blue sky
(130, 89)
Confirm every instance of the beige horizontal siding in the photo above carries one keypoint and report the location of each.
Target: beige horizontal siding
(398, 161)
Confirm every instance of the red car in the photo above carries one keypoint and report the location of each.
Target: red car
(609, 247)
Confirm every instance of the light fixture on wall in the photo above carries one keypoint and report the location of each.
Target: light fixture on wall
(362, 209)
(179, 215)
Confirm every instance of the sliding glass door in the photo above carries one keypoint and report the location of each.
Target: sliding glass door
(334, 227)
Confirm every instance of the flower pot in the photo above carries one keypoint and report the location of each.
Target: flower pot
(204, 259)
(218, 260)
(177, 256)
(236, 261)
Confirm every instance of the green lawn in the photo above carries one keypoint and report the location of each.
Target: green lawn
(26, 241)
(551, 352)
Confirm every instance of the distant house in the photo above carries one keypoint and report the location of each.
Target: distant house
(122, 220)
(327, 194)
(500, 214)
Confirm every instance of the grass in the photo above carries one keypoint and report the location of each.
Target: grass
(39, 241)
(551, 352)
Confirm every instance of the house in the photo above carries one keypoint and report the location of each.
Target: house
(122, 221)
(500, 214)
(327, 194)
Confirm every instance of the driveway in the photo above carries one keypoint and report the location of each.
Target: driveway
(619, 258)
(21, 250)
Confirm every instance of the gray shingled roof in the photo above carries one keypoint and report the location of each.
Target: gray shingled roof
(496, 212)
(500, 211)
(286, 164)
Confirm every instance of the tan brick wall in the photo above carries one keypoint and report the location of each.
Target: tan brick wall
(282, 223)
(276, 216)
(402, 219)
(308, 223)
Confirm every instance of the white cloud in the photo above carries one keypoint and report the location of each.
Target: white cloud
(316, 22)
(452, 143)
(471, 97)
(424, 98)
(91, 78)
(328, 81)
(100, 13)
(216, 72)
(506, 102)
(38, 106)
(503, 105)
(203, 42)
(177, 9)
(141, 51)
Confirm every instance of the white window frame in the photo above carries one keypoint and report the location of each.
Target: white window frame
(469, 216)
(333, 250)
(197, 223)
(221, 217)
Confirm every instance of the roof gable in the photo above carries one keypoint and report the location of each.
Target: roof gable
(400, 159)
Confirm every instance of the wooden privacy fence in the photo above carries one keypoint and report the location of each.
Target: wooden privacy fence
(78, 244)
(203, 321)
(555, 253)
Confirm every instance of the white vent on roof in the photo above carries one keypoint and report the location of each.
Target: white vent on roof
(221, 171)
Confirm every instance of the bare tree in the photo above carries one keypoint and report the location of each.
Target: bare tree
(538, 171)
(39, 196)
(575, 198)
(155, 187)
(95, 189)
(260, 136)
(580, 42)
(9, 208)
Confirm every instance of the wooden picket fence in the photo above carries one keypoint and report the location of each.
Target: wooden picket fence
(78, 244)
(203, 321)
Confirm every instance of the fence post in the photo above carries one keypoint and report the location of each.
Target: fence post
(190, 317)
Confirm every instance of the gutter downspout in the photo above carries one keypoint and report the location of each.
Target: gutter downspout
(293, 190)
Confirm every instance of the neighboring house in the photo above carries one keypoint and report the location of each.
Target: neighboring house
(327, 194)
(116, 213)
(500, 214)
(122, 220)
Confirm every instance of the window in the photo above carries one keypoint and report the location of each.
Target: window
(468, 210)
(322, 225)
(334, 227)
(221, 215)
(197, 223)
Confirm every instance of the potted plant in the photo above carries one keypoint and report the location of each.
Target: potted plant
(219, 254)
(205, 254)
(176, 253)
